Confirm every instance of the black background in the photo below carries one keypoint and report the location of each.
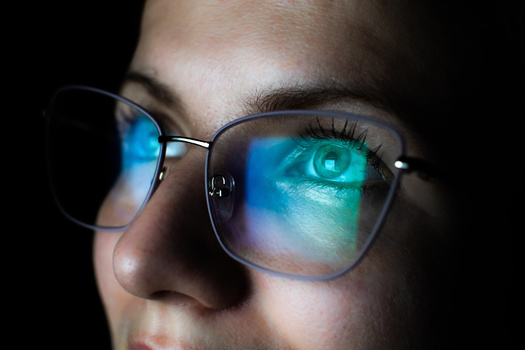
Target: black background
(48, 288)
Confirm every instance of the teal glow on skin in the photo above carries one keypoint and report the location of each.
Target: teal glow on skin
(139, 150)
(303, 198)
(140, 154)
(140, 143)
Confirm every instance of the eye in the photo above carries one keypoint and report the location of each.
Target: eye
(340, 164)
(337, 163)
(139, 140)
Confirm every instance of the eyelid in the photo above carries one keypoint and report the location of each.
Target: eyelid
(172, 126)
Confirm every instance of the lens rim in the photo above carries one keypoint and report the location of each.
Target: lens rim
(49, 119)
(380, 221)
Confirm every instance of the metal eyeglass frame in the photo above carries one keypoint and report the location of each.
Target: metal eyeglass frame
(404, 165)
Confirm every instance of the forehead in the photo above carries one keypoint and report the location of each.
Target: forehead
(335, 28)
(211, 49)
(267, 21)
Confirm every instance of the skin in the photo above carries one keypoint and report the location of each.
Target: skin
(166, 283)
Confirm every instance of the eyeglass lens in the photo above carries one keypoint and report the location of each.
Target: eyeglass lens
(296, 193)
(303, 191)
(103, 156)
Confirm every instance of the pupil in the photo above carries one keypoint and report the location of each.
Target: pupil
(331, 161)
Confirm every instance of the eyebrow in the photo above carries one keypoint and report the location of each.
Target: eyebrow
(155, 88)
(298, 97)
(309, 96)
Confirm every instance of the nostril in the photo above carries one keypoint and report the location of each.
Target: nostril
(161, 294)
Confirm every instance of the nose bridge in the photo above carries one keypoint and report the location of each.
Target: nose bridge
(174, 139)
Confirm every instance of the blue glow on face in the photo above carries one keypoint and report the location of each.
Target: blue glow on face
(140, 152)
(303, 196)
(140, 143)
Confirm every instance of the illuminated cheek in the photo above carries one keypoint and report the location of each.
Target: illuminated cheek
(288, 213)
(303, 217)
(344, 314)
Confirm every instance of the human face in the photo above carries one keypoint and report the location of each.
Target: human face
(165, 282)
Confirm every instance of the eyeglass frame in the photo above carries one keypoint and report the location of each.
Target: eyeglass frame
(403, 164)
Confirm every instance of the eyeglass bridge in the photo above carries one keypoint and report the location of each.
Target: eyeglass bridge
(221, 185)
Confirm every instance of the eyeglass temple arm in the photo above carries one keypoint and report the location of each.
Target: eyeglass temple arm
(424, 169)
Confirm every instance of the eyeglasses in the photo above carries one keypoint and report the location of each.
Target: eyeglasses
(300, 194)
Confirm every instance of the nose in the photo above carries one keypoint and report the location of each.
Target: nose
(170, 250)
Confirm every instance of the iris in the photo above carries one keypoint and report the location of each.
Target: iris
(331, 161)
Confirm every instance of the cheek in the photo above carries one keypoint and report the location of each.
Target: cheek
(356, 311)
(384, 303)
(103, 246)
(111, 293)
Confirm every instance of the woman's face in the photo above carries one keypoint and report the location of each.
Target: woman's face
(166, 283)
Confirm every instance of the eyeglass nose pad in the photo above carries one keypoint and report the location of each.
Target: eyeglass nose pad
(162, 174)
(221, 188)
